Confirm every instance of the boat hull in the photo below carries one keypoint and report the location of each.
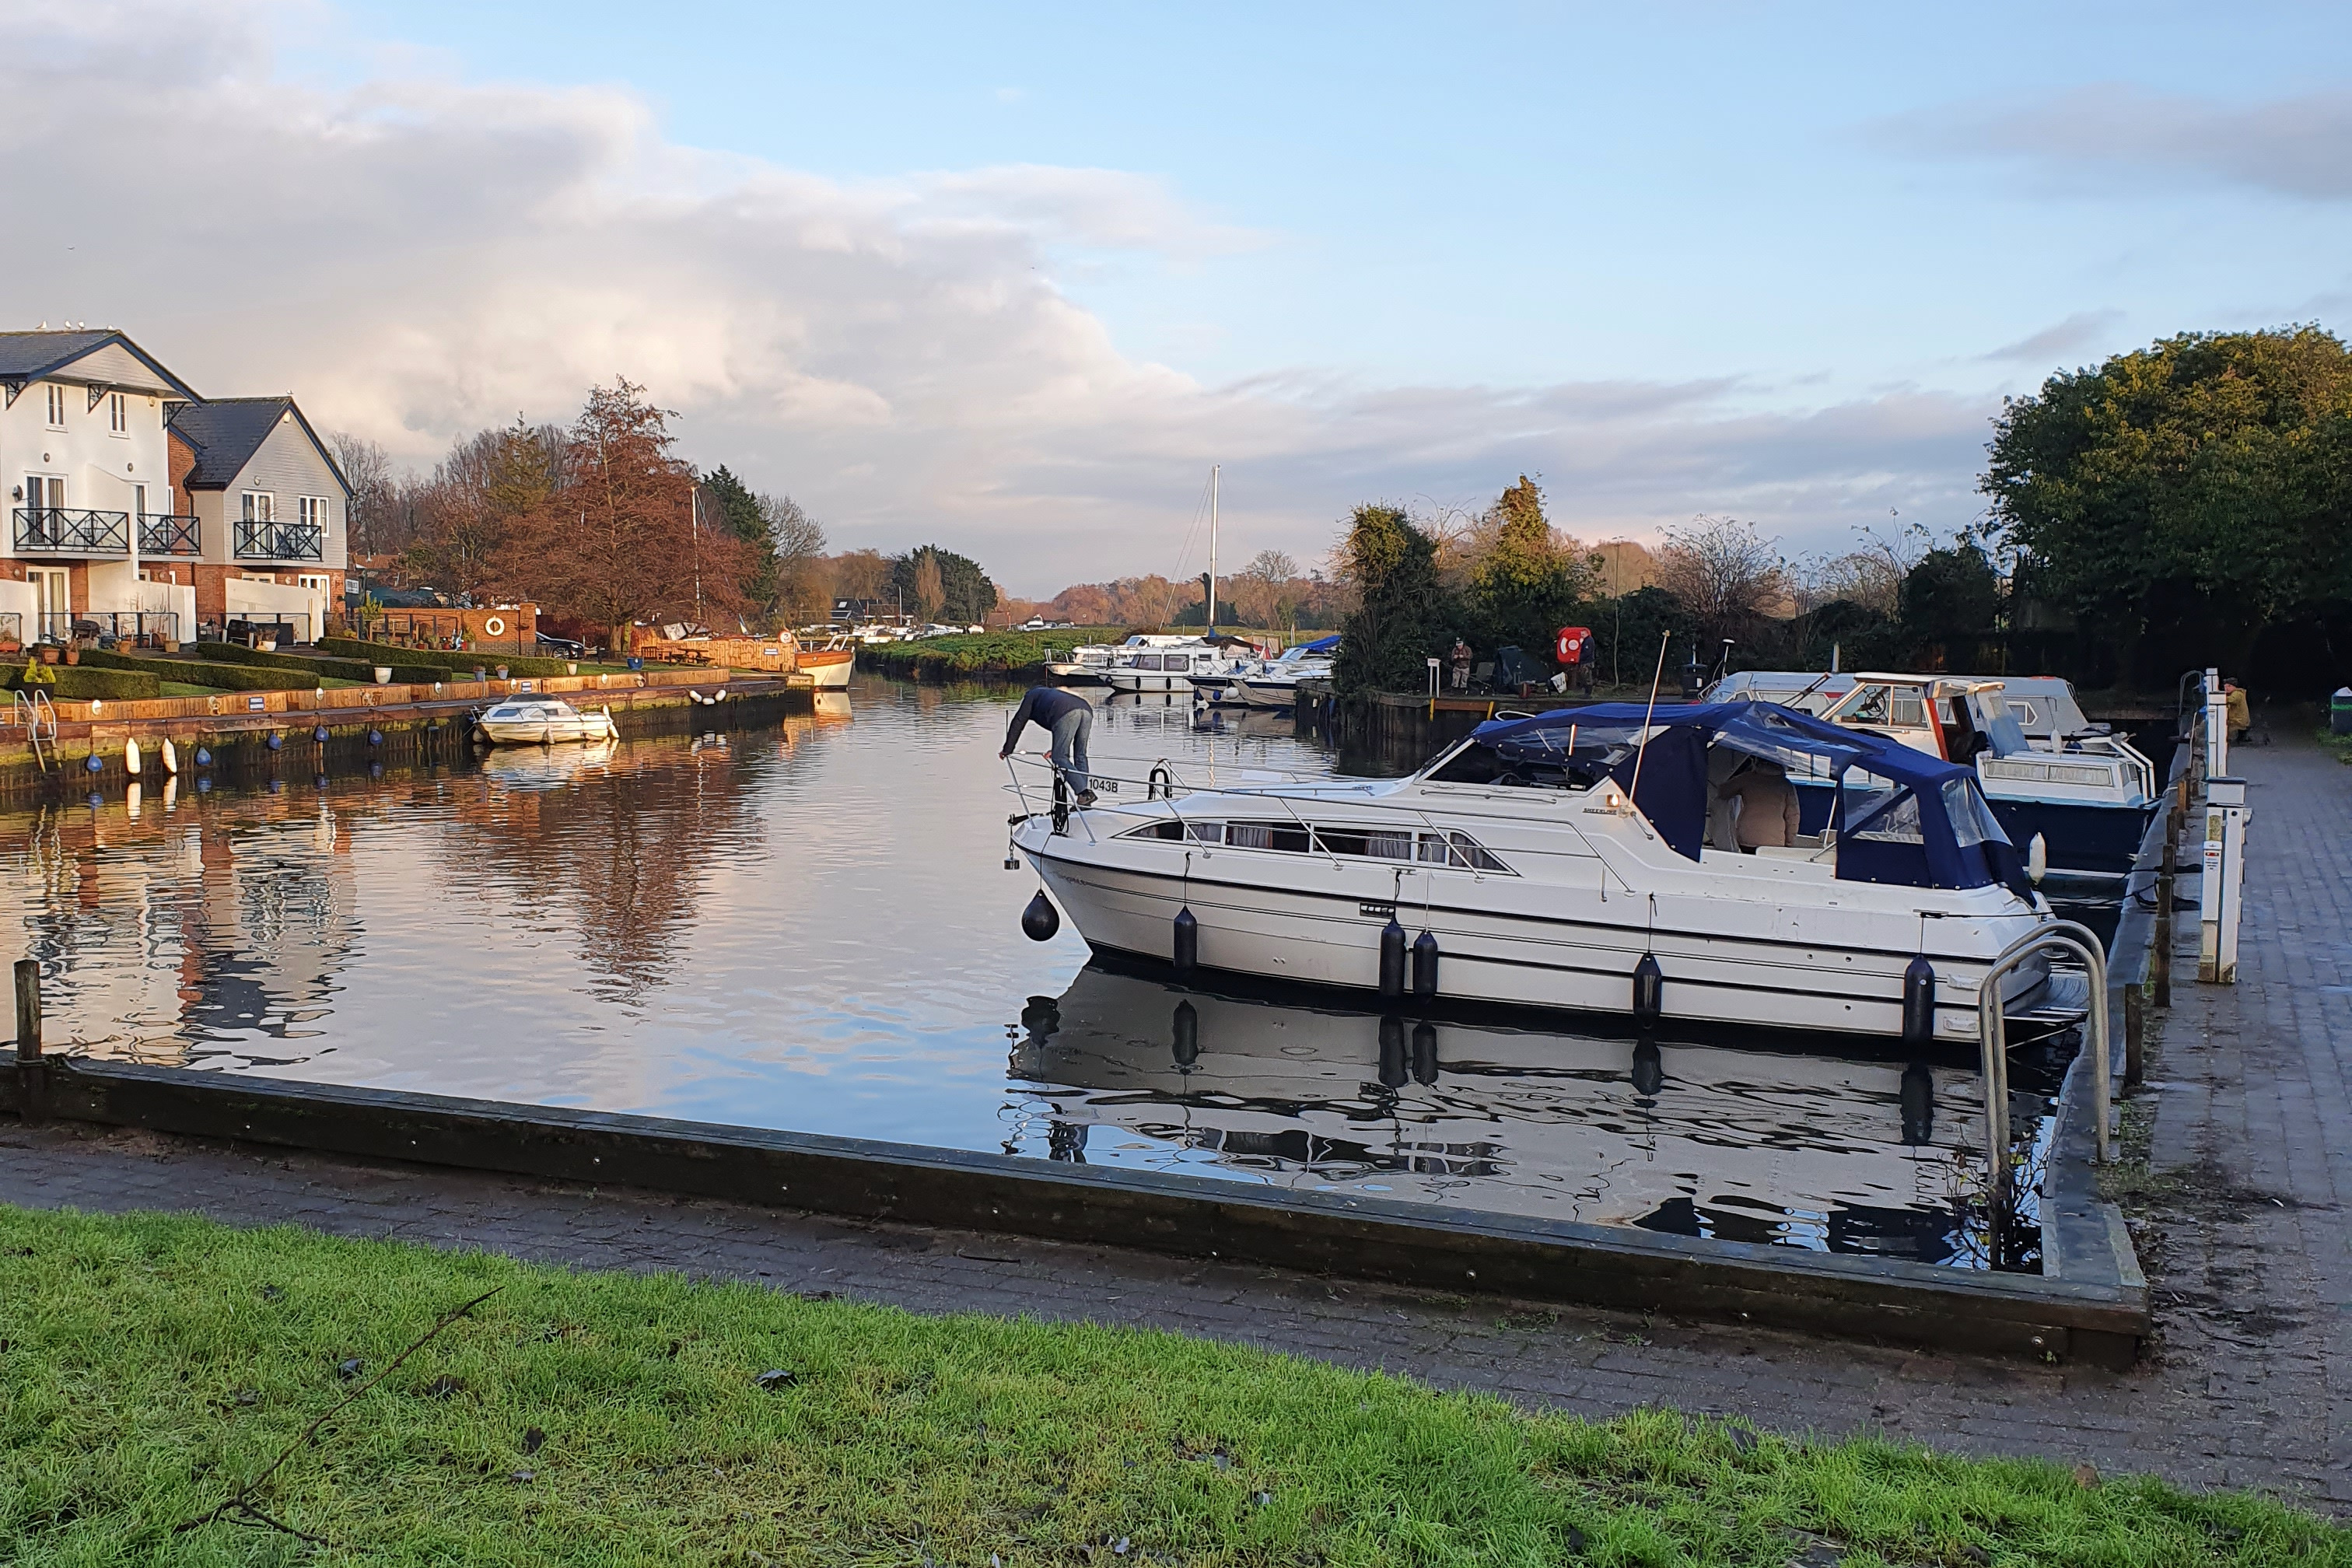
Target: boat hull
(829, 668)
(1544, 946)
(548, 732)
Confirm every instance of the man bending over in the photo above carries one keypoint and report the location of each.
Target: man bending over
(1069, 719)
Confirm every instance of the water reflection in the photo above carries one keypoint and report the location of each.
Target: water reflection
(807, 926)
(1817, 1151)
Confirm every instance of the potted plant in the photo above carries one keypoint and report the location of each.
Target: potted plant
(49, 652)
(503, 672)
(73, 653)
(384, 675)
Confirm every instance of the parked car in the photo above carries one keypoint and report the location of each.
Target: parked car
(561, 647)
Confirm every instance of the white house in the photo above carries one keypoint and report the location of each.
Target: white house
(85, 466)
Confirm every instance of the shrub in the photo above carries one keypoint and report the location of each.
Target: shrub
(340, 668)
(374, 652)
(81, 683)
(203, 672)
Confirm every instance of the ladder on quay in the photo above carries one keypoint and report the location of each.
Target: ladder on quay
(33, 713)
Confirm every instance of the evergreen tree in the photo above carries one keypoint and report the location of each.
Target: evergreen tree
(728, 504)
(1399, 620)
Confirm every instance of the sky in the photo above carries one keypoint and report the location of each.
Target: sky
(1010, 278)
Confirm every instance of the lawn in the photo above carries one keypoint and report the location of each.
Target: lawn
(152, 1368)
(184, 688)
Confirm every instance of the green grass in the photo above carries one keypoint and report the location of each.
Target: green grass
(184, 688)
(981, 653)
(149, 1366)
(2334, 745)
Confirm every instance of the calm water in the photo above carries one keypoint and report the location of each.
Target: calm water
(810, 927)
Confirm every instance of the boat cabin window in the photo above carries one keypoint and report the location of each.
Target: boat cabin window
(1460, 851)
(1202, 832)
(1378, 845)
(1484, 766)
(1283, 836)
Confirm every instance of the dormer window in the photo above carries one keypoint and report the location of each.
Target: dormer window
(57, 406)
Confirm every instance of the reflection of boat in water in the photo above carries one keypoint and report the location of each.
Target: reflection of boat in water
(541, 721)
(832, 704)
(534, 767)
(1815, 1151)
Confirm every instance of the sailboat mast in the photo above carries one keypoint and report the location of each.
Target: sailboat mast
(1214, 472)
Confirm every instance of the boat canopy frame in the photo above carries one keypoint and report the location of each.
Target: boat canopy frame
(1920, 821)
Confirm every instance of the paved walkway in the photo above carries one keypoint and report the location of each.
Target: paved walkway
(2241, 1224)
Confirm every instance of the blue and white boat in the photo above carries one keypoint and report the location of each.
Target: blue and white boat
(2087, 794)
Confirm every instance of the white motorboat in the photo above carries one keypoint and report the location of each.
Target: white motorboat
(1571, 860)
(1170, 665)
(1273, 683)
(1090, 661)
(543, 722)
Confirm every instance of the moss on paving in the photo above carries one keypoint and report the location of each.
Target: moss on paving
(150, 1365)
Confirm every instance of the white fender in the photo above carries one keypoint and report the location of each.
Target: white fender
(2037, 858)
(131, 758)
(171, 760)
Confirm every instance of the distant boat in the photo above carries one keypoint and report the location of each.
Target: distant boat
(829, 665)
(543, 722)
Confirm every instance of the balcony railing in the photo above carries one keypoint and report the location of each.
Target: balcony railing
(278, 541)
(163, 534)
(71, 530)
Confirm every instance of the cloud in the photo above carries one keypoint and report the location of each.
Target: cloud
(2078, 330)
(416, 256)
(2123, 137)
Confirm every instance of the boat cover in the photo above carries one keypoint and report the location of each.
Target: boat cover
(1910, 819)
(1324, 645)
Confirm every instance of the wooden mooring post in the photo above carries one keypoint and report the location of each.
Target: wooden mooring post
(32, 1074)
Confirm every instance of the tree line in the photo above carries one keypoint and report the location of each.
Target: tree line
(603, 526)
(2178, 506)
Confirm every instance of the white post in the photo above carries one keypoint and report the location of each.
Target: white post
(2216, 727)
(2221, 893)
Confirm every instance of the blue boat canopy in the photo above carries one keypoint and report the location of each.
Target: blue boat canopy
(1324, 645)
(1901, 816)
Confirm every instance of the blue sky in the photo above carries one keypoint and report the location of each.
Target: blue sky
(1012, 277)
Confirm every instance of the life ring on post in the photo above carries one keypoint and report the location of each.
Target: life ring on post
(494, 628)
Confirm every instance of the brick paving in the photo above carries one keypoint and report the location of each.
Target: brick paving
(2240, 1224)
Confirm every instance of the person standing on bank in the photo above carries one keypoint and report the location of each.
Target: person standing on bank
(1069, 719)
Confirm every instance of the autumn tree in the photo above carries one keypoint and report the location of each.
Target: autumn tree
(930, 593)
(804, 590)
(374, 504)
(617, 541)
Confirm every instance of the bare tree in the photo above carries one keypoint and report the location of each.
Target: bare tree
(1871, 574)
(374, 494)
(803, 586)
(1726, 577)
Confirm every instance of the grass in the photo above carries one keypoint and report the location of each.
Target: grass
(184, 688)
(979, 653)
(149, 1366)
(2334, 745)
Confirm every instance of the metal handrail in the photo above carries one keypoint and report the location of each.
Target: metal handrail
(1992, 1035)
(256, 540)
(77, 530)
(168, 533)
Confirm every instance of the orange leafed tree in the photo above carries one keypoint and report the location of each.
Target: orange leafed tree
(618, 542)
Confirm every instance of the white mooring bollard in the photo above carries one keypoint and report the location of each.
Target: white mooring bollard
(2222, 893)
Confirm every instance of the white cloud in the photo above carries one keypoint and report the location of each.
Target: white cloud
(416, 256)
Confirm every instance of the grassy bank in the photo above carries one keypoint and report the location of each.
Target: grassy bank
(151, 1367)
(982, 653)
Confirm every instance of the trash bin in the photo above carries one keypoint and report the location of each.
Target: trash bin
(2339, 712)
(636, 663)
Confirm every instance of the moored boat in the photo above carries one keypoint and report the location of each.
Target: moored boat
(541, 721)
(1571, 861)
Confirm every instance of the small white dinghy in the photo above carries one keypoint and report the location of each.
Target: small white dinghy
(543, 722)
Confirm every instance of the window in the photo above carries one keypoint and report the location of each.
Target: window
(1972, 820)
(1287, 836)
(313, 511)
(1909, 711)
(118, 415)
(138, 500)
(57, 406)
(260, 506)
(1377, 844)
(315, 581)
(1202, 832)
(261, 576)
(1458, 851)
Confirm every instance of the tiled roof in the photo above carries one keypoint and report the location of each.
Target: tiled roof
(224, 434)
(29, 356)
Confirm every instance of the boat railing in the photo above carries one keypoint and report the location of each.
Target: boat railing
(1162, 787)
(2055, 939)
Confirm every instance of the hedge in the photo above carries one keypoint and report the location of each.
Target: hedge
(440, 658)
(359, 669)
(198, 672)
(81, 683)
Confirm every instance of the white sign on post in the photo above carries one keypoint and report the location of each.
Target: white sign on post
(2222, 891)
